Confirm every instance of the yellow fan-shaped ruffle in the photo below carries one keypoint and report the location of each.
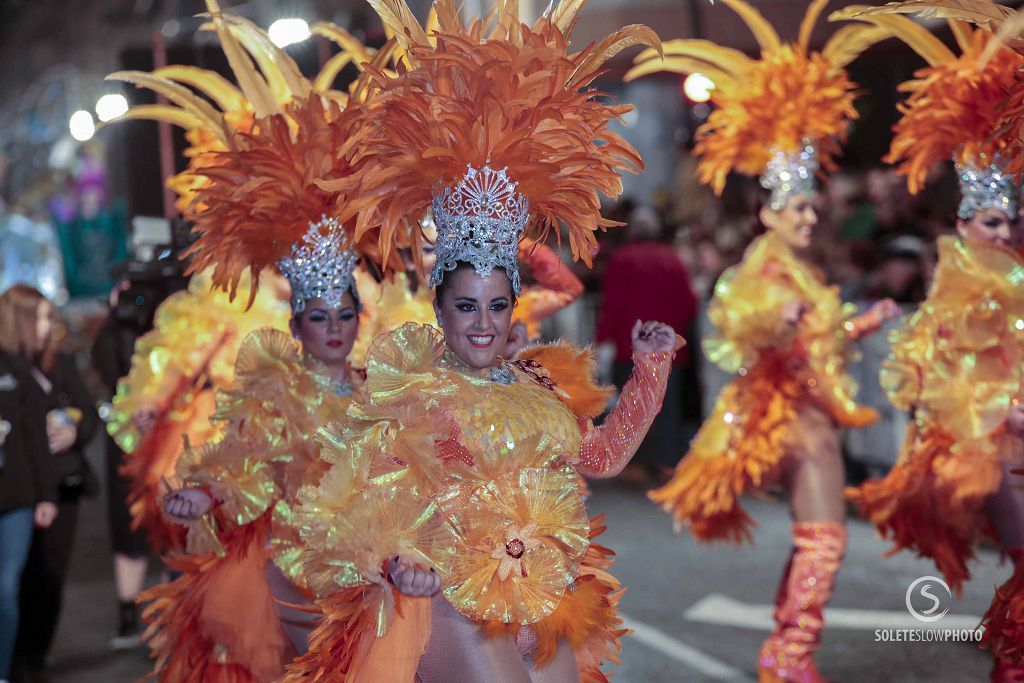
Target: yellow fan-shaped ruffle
(518, 544)
(402, 366)
(379, 523)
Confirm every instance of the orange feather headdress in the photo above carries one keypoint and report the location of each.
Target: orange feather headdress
(778, 117)
(957, 106)
(496, 128)
(256, 151)
(953, 108)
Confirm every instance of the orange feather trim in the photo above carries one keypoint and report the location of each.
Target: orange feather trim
(239, 642)
(574, 371)
(955, 109)
(344, 643)
(739, 449)
(516, 99)
(932, 501)
(1004, 620)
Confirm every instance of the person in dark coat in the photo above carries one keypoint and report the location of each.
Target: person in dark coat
(71, 422)
(28, 481)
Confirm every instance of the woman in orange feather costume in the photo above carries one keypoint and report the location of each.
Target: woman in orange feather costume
(230, 614)
(177, 368)
(779, 327)
(449, 540)
(957, 363)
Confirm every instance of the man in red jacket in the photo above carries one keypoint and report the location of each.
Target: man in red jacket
(646, 280)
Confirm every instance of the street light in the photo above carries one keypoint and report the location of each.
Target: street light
(285, 32)
(82, 126)
(698, 87)
(110, 106)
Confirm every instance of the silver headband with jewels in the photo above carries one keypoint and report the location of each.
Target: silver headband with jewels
(791, 173)
(480, 221)
(321, 265)
(986, 187)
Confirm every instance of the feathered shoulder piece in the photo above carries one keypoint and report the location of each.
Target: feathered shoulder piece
(953, 109)
(791, 102)
(573, 370)
(255, 148)
(497, 123)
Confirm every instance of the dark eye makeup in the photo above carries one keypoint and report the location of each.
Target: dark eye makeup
(320, 316)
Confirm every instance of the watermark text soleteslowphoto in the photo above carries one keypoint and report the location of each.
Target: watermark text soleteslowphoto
(928, 600)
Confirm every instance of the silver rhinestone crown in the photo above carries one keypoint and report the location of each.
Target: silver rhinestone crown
(986, 187)
(480, 221)
(320, 265)
(791, 173)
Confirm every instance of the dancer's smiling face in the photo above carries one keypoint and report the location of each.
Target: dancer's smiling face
(990, 225)
(328, 333)
(794, 223)
(475, 314)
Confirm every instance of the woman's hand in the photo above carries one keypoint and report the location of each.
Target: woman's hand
(45, 514)
(413, 581)
(145, 420)
(517, 339)
(652, 337)
(793, 311)
(187, 505)
(61, 436)
(885, 309)
(871, 320)
(1015, 419)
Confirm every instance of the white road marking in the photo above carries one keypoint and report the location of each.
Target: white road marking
(725, 611)
(696, 660)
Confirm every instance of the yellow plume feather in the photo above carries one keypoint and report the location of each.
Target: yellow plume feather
(210, 83)
(400, 20)
(764, 32)
(961, 32)
(181, 96)
(983, 13)
(849, 42)
(918, 38)
(810, 19)
(252, 84)
(175, 116)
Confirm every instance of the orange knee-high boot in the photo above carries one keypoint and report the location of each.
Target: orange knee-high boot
(1004, 625)
(788, 653)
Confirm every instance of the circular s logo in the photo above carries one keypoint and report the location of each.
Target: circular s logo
(928, 598)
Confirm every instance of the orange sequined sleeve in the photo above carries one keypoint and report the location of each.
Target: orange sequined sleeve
(608, 448)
